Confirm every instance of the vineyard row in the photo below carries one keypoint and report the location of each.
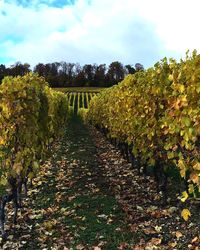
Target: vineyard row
(32, 116)
(154, 115)
(80, 100)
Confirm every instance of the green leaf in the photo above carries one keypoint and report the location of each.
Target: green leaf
(3, 181)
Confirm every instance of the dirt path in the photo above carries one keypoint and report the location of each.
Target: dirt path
(69, 206)
(88, 197)
(152, 224)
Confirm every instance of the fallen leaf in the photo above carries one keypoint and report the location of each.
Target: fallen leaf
(178, 234)
(149, 231)
(195, 239)
(185, 214)
(184, 196)
(158, 229)
(80, 247)
(156, 241)
(172, 244)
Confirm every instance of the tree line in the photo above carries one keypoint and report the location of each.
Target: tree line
(63, 74)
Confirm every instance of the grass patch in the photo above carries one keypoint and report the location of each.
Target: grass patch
(76, 208)
(80, 89)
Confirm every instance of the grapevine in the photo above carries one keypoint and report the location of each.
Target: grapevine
(156, 113)
(31, 116)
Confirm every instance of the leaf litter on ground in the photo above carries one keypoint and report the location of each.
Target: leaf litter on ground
(87, 196)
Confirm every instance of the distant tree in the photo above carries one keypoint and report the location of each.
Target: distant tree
(115, 73)
(139, 67)
(19, 69)
(129, 69)
(89, 73)
(52, 77)
(79, 77)
(66, 74)
(49, 71)
(3, 72)
(63, 74)
(40, 69)
(26, 67)
(100, 75)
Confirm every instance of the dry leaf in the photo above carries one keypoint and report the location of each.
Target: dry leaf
(156, 241)
(195, 239)
(185, 214)
(178, 234)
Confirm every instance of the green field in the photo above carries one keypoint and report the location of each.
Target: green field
(79, 100)
(80, 89)
(80, 97)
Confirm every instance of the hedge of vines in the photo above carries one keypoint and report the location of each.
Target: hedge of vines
(156, 112)
(31, 116)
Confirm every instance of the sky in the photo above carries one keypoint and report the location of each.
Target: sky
(97, 31)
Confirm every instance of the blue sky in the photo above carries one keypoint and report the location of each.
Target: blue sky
(97, 31)
(36, 3)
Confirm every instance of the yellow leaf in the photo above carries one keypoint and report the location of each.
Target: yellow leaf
(170, 155)
(35, 165)
(197, 166)
(3, 181)
(181, 88)
(173, 244)
(170, 77)
(191, 188)
(48, 225)
(184, 196)
(182, 173)
(31, 175)
(194, 177)
(17, 167)
(182, 167)
(2, 141)
(151, 161)
(185, 214)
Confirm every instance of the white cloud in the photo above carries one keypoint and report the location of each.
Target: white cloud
(176, 22)
(100, 31)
